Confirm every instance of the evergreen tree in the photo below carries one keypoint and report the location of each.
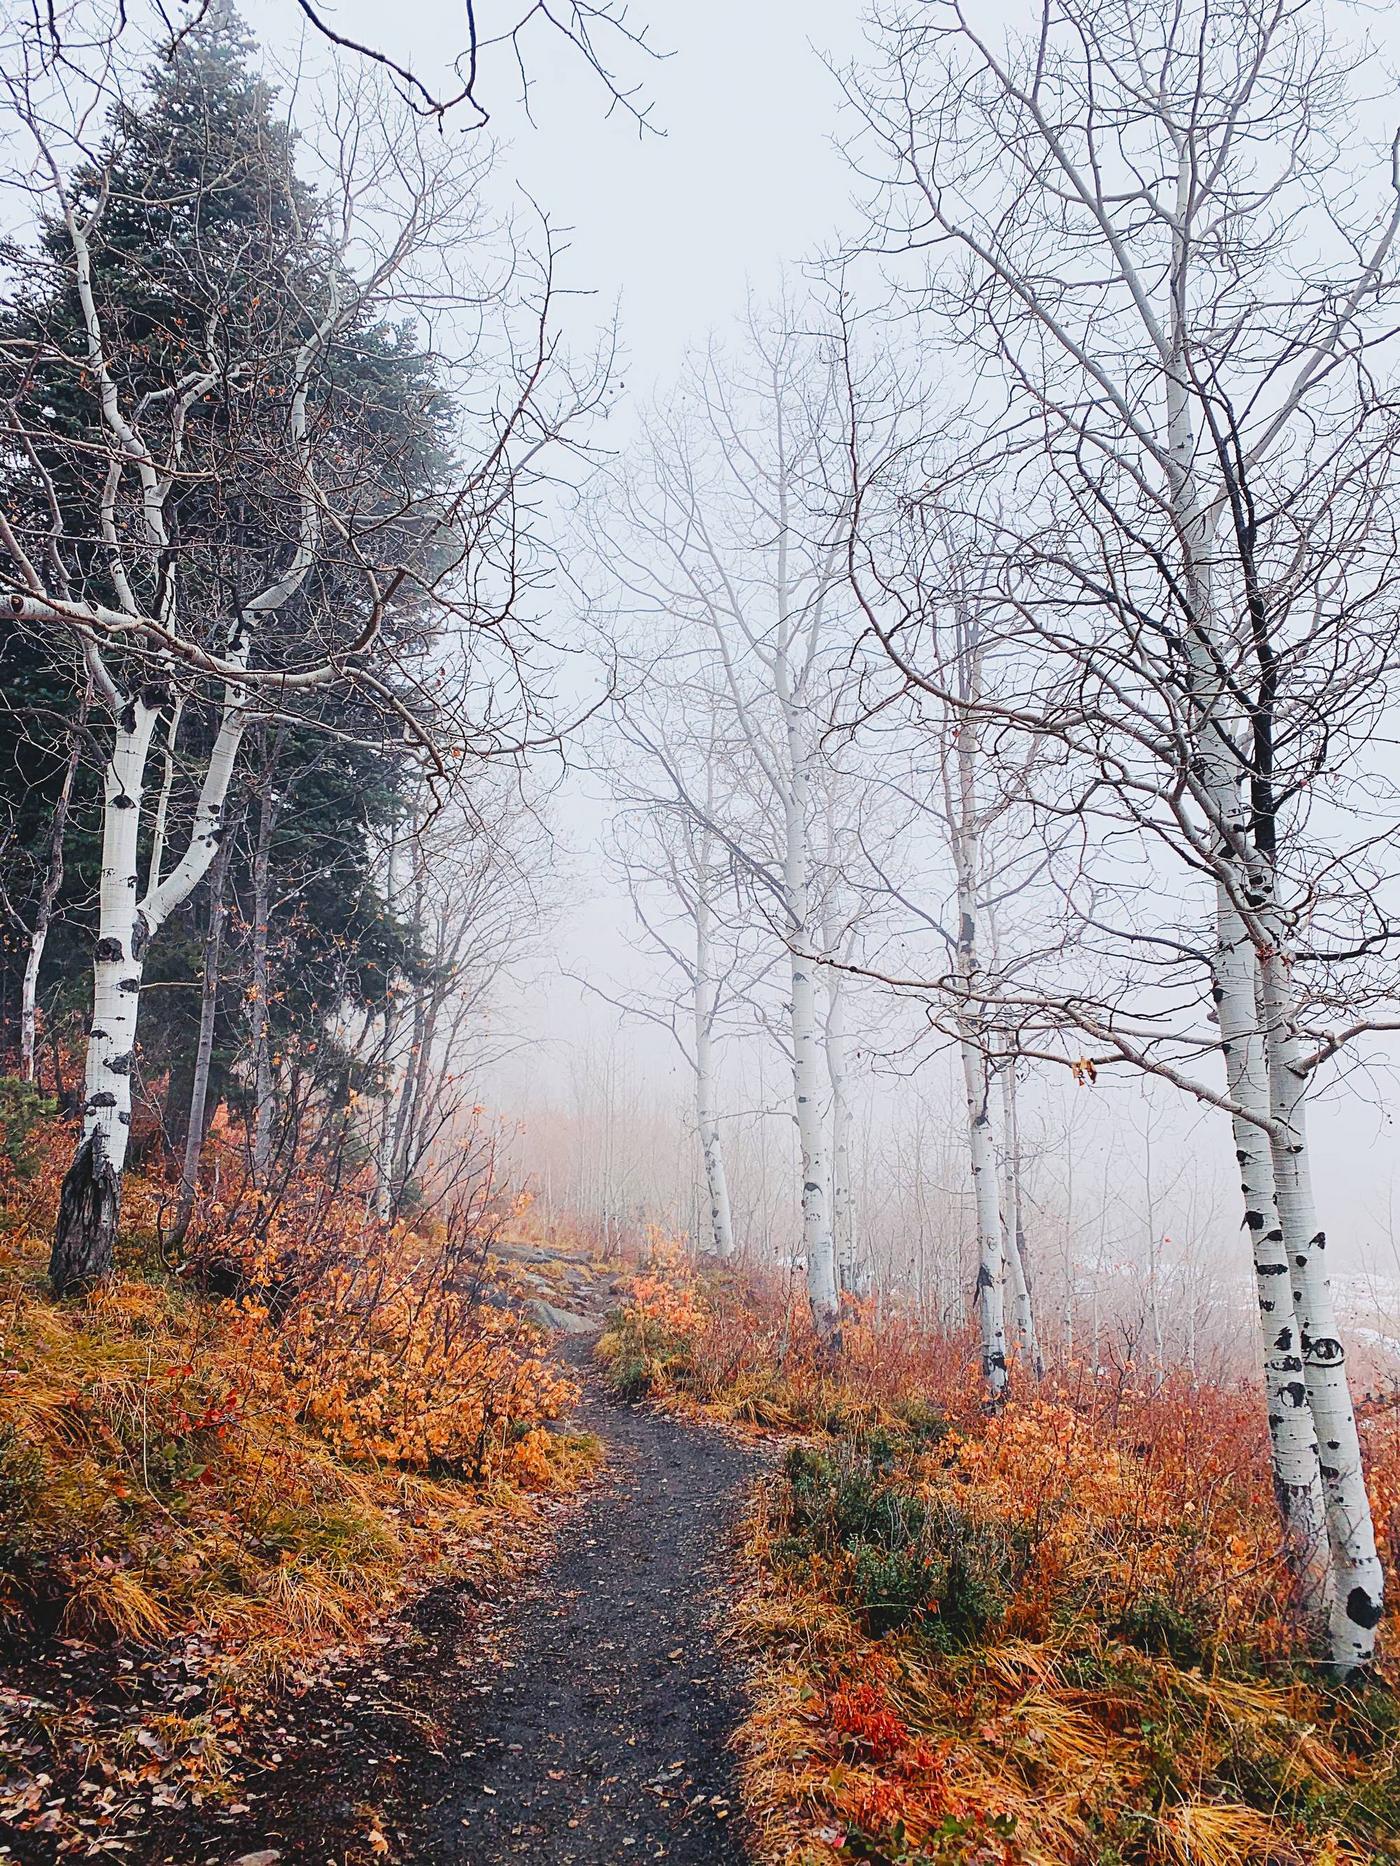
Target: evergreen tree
(204, 238)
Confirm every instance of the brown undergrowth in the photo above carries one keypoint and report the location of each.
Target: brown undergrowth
(1061, 1635)
(218, 1472)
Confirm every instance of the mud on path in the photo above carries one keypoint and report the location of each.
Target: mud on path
(582, 1721)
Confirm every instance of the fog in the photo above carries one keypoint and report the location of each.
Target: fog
(734, 182)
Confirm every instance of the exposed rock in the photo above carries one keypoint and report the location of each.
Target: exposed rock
(566, 1321)
(523, 1253)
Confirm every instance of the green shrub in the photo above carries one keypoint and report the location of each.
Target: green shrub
(907, 1560)
(1153, 1623)
(891, 1586)
(22, 1108)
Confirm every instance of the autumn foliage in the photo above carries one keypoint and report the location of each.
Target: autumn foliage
(245, 1455)
(1061, 1634)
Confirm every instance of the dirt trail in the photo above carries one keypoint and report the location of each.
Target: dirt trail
(605, 1740)
(582, 1721)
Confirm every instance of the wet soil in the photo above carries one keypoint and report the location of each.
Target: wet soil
(581, 1721)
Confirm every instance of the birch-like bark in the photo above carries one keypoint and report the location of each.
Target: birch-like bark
(991, 1261)
(964, 835)
(90, 1201)
(1292, 1437)
(808, 1090)
(1358, 1594)
(1023, 1306)
(808, 1069)
(706, 999)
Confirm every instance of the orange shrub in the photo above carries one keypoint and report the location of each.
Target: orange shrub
(265, 1469)
(1061, 1634)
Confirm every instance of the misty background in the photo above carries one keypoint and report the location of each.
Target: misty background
(735, 183)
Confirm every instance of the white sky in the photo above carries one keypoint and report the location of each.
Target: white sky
(741, 179)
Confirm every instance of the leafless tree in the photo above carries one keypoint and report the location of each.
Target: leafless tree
(727, 531)
(471, 888)
(1192, 550)
(678, 878)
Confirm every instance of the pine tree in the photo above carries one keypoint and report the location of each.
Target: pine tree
(207, 238)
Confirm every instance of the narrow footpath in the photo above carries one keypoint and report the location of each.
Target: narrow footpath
(604, 1738)
(582, 1720)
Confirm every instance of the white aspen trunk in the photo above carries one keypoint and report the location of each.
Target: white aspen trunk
(1358, 1578)
(89, 1205)
(851, 1268)
(706, 1117)
(991, 1261)
(90, 1201)
(1023, 1306)
(818, 1244)
(960, 786)
(808, 1068)
(1293, 1437)
(1298, 1483)
(29, 995)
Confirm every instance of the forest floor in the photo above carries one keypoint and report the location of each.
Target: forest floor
(582, 1717)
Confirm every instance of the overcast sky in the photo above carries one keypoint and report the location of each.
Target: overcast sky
(739, 179)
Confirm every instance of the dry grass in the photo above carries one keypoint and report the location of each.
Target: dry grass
(1060, 1636)
(183, 1474)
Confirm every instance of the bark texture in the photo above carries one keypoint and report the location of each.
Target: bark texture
(706, 1115)
(1358, 1591)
